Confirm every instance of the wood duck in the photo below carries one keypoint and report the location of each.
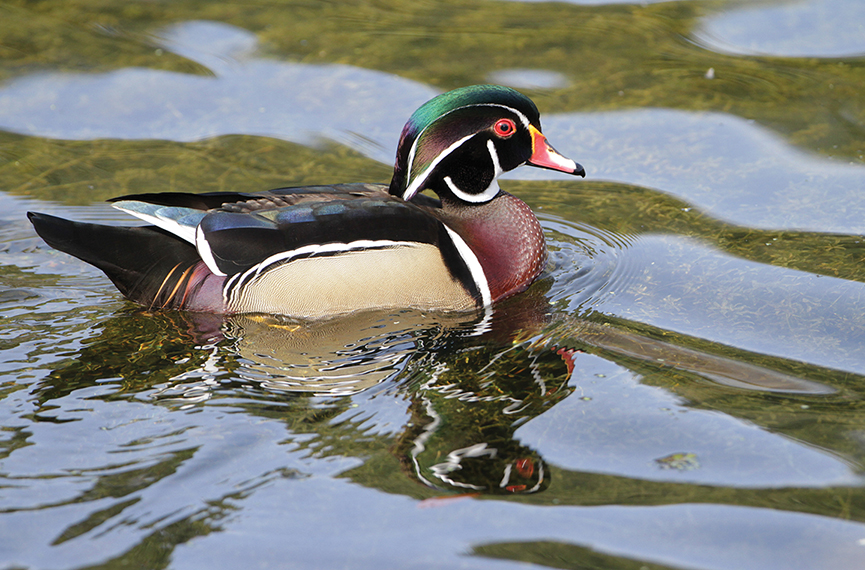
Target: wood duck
(319, 251)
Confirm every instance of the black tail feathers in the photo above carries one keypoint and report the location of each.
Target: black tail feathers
(138, 260)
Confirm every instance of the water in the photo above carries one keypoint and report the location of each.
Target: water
(681, 389)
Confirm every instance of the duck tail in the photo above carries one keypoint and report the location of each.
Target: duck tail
(148, 265)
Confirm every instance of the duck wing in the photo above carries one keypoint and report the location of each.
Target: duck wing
(234, 232)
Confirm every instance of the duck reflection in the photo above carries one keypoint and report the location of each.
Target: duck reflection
(351, 354)
(467, 381)
(461, 434)
(472, 380)
(335, 358)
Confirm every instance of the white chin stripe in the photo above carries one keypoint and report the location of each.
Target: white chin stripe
(474, 266)
(490, 192)
(485, 196)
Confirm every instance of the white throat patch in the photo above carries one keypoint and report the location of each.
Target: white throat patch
(485, 196)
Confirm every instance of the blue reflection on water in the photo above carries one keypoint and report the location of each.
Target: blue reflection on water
(615, 424)
(816, 28)
(684, 285)
(727, 166)
(246, 95)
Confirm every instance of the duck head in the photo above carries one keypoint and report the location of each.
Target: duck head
(458, 143)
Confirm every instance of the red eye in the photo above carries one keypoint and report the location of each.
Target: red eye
(505, 128)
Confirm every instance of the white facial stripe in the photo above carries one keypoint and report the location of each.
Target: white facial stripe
(523, 119)
(413, 188)
(205, 252)
(494, 155)
(405, 195)
(475, 267)
(310, 250)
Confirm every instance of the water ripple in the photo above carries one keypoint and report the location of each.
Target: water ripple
(588, 264)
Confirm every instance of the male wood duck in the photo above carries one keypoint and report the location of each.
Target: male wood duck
(320, 251)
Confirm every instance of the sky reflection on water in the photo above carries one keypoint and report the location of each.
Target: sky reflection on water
(788, 28)
(290, 101)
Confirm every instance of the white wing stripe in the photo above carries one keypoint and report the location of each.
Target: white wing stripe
(205, 252)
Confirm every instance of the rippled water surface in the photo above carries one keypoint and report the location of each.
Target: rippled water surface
(682, 388)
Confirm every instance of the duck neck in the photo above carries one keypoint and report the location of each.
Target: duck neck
(505, 236)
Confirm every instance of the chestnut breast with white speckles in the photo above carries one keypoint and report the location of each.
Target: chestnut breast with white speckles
(507, 239)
